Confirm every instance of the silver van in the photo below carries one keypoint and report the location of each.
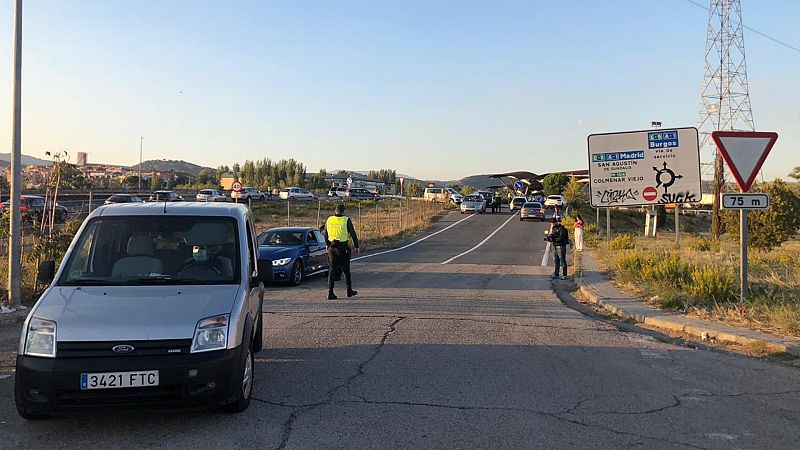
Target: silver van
(154, 304)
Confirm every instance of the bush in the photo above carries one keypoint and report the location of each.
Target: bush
(772, 227)
(630, 263)
(702, 244)
(622, 242)
(711, 283)
(667, 268)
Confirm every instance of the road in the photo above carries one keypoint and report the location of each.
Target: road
(472, 352)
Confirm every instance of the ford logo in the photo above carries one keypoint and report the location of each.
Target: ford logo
(124, 348)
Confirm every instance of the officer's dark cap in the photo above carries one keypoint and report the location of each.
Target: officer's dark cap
(340, 208)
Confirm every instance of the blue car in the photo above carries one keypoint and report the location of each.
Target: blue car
(296, 253)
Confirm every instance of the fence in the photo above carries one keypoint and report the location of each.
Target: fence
(377, 222)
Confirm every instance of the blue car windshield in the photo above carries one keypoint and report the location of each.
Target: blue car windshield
(281, 238)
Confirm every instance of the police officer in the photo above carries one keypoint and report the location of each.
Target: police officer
(338, 231)
(496, 202)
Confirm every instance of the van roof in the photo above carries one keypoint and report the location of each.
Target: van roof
(174, 208)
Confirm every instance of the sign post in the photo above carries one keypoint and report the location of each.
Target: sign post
(644, 168)
(744, 152)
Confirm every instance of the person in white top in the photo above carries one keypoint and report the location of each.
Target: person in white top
(578, 233)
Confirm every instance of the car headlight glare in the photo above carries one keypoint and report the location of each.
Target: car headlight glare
(281, 262)
(41, 338)
(211, 334)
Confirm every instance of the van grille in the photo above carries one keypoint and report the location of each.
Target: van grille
(141, 348)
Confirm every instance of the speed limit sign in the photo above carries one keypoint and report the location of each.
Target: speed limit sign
(236, 186)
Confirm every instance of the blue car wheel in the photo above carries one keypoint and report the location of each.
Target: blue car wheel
(297, 273)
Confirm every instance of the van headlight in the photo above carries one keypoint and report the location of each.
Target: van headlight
(211, 333)
(40, 340)
(281, 262)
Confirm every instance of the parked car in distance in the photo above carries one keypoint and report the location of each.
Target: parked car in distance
(487, 196)
(123, 198)
(532, 210)
(473, 203)
(337, 192)
(34, 207)
(296, 253)
(455, 196)
(360, 193)
(516, 203)
(554, 201)
(163, 309)
(296, 194)
(435, 194)
(249, 193)
(165, 196)
(210, 195)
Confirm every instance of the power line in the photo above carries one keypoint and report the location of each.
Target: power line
(764, 35)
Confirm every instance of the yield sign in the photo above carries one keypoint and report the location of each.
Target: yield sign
(744, 152)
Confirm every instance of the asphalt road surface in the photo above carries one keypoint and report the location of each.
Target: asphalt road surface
(458, 341)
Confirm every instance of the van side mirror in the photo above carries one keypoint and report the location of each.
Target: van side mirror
(47, 271)
(264, 270)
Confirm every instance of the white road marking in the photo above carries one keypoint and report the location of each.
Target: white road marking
(413, 243)
(481, 242)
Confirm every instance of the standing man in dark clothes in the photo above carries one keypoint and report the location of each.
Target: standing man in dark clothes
(560, 239)
(338, 231)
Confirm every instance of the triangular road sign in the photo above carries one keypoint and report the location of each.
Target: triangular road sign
(744, 152)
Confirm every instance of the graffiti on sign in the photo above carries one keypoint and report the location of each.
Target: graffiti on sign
(615, 196)
(679, 197)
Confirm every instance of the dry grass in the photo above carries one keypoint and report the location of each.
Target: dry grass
(712, 289)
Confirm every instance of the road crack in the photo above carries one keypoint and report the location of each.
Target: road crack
(288, 425)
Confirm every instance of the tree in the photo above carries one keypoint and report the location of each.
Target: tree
(155, 182)
(772, 227)
(131, 182)
(414, 190)
(467, 189)
(574, 194)
(795, 173)
(206, 178)
(554, 183)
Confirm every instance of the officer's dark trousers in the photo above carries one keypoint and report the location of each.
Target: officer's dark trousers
(560, 254)
(339, 261)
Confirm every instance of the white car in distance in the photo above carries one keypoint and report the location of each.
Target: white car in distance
(249, 193)
(210, 195)
(554, 201)
(296, 194)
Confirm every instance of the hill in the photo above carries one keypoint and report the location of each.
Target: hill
(26, 160)
(163, 165)
(476, 181)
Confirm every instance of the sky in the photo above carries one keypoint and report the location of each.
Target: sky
(433, 89)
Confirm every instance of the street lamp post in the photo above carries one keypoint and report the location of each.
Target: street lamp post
(15, 250)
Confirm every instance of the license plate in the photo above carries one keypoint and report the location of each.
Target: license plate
(114, 380)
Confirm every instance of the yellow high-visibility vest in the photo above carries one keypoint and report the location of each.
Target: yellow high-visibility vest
(336, 226)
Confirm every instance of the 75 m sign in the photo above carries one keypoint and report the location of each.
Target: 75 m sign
(745, 201)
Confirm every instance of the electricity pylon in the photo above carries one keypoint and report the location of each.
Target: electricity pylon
(725, 94)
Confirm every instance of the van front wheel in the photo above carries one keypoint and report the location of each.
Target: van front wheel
(244, 382)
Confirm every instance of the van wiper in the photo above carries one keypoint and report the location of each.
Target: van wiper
(94, 282)
(166, 280)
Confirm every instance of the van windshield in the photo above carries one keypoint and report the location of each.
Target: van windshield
(155, 250)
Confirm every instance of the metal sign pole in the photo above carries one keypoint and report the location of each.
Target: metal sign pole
(677, 224)
(743, 234)
(608, 224)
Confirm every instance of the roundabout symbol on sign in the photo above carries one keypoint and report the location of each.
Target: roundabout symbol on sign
(649, 193)
(236, 186)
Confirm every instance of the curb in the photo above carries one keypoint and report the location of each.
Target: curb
(673, 322)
